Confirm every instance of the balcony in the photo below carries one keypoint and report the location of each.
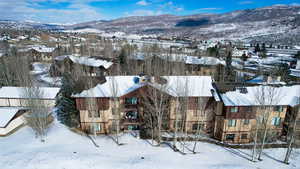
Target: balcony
(131, 117)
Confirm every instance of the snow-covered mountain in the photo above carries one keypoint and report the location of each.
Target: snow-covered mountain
(283, 21)
(274, 23)
(11, 24)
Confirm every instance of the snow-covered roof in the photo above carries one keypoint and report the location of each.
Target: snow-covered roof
(203, 60)
(43, 49)
(89, 61)
(252, 96)
(123, 84)
(6, 114)
(295, 72)
(19, 92)
(198, 86)
(190, 86)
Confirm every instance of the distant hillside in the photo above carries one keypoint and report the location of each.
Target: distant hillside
(279, 23)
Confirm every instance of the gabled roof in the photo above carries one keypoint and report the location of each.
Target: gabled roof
(7, 114)
(43, 49)
(197, 86)
(19, 92)
(188, 86)
(253, 96)
(123, 84)
(88, 61)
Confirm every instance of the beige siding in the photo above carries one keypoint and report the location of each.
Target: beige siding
(4, 103)
(15, 102)
(12, 126)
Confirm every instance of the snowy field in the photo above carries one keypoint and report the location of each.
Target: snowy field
(64, 149)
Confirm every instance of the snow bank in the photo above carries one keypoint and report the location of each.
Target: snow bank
(65, 149)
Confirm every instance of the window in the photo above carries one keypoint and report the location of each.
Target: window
(276, 121)
(231, 123)
(132, 100)
(114, 125)
(95, 127)
(234, 109)
(98, 127)
(278, 108)
(244, 136)
(132, 127)
(246, 122)
(179, 124)
(94, 113)
(230, 137)
(197, 126)
(131, 115)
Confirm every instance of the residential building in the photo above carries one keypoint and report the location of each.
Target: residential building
(17, 97)
(90, 65)
(129, 98)
(11, 119)
(239, 109)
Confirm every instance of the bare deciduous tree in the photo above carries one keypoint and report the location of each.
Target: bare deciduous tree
(39, 116)
(116, 107)
(291, 134)
(156, 103)
(266, 97)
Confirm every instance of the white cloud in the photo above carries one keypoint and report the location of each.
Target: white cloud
(179, 9)
(295, 4)
(246, 2)
(143, 3)
(78, 11)
(209, 9)
(143, 13)
(171, 6)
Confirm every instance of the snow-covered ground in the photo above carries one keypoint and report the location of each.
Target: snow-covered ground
(64, 149)
(41, 75)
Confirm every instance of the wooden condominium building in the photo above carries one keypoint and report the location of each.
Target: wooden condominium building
(14, 106)
(242, 110)
(17, 97)
(11, 118)
(134, 97)
(89, 65)
(42, 53)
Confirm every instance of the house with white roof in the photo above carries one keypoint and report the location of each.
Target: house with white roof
(238, 53)
(42, 53)
(240, 108)
(11, 118)
(90, 65)
(17, 97)
(131, 93)
(13, 105)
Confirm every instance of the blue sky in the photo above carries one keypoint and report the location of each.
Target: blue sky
(74, 11)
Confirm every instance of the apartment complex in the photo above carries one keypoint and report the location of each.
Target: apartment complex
(230, 115)
(130, 96)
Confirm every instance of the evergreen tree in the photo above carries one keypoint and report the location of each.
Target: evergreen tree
(67, 112)
(123, 56)
(297, 56)
(257, 48)
(229, 73)
(263, 48)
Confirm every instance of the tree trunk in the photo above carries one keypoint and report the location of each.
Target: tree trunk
(255, 144)
(290, 145)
